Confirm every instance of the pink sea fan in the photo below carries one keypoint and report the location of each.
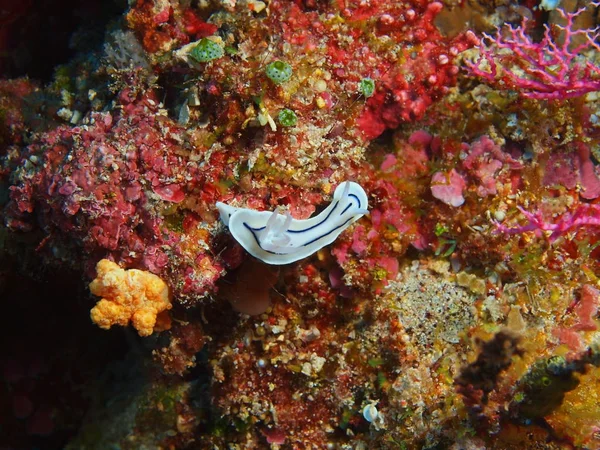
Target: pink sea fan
(585, 215)
(554, 68)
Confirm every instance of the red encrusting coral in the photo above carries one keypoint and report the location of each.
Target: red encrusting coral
(587, 309)
(105, 185)
(408, 79)
(163, 26)
(404, 92)
(571, 166)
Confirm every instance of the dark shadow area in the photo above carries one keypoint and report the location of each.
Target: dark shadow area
(38, 35)
(50, 356)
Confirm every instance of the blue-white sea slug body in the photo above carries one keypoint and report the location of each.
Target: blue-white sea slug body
(280, 239)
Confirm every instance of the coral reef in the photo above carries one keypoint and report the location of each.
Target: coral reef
(460, 312)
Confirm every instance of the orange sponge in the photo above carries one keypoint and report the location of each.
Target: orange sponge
(130, 295)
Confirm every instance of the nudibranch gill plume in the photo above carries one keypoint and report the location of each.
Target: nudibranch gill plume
(280, 239)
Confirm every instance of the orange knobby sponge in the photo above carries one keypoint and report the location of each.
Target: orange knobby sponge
(130, 295)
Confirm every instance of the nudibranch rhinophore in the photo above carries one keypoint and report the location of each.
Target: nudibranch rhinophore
(280, 239)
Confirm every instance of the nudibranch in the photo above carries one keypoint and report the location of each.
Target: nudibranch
(280, 239)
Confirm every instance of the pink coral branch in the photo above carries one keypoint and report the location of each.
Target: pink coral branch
(584, 216)
(541, 70)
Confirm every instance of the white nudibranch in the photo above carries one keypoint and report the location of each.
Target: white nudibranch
(280, 239)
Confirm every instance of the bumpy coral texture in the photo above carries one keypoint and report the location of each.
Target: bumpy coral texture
(130, 295)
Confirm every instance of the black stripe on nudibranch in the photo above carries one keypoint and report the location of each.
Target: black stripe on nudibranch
(357, 200)
(328, 233)
(317, 224)
(346, 209)
(299, 231)
(252, 230)
(350, 204)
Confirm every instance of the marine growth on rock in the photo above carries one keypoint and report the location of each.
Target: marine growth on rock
(300, 224)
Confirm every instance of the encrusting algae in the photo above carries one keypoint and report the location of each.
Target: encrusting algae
(130, 295)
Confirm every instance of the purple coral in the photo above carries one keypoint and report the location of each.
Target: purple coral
(549, 69)
(584, 216)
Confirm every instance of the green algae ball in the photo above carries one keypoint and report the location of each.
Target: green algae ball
(206, 51)
(279, 71)
(367, 87)
(287, 118)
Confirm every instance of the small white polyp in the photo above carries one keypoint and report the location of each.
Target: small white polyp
(280, 239)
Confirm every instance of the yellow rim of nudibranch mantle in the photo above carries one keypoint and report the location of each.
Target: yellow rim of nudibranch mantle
(280, 239)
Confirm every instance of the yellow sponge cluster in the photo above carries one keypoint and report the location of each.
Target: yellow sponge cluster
(130, 295)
